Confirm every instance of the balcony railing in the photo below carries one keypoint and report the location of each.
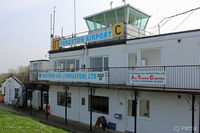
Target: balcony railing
(187, 77)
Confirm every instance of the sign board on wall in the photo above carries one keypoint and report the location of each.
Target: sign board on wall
(56, 43)
(145, 77)
(93, 77)
(117, 30)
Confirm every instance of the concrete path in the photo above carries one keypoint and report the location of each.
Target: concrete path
(74, 126)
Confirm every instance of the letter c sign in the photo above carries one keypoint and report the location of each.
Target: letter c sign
(118, 30)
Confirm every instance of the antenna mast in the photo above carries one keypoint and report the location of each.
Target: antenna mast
(54, 15)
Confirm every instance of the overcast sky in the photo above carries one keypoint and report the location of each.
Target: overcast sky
(24, 24)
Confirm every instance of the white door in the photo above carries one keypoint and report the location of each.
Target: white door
(10, 96)
(130, 115)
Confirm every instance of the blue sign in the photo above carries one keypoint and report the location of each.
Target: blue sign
(65, 76)
(88, 38)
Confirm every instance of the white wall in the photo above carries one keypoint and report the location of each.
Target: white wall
(185, 52)
(166, 110)
(10, 84)
(167, 113)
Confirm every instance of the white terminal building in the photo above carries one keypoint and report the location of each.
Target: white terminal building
(139, 82)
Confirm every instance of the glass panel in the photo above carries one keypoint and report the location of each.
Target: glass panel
(137, 19)
(120, 15)
(16, 93)
(144, 108)
(111, 18)
(144, 22)
(100, 21)
(96, 64)
(55, 66)
(105, 63)
(61, 65)
(131, 108)
(151, 57)
(90, 22)
(61, 99)
(45, 98)
(82, 101)
(132, 60)
(71, 65)
(77, 65)
(35, 66)
(100, 104)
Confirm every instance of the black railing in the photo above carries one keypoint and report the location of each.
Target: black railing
(186, 77)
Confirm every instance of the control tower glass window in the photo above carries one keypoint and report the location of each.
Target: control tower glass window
(137, 19)
(120, 15)
(90, 22)
(100, 21)
(111, 18)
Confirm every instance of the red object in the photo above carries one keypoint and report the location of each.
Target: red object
(48, 110)
(1, 97)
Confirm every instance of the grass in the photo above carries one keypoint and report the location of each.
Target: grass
(12, 123)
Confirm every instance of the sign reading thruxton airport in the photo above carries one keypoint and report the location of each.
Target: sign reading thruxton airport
(145, 77)
(117, 30)
(91, 77)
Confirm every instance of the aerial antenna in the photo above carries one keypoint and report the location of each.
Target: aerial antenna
(51, 35)
(124, 2)
(54, 15)
(75, 17)
(111, 4)
(62, 32)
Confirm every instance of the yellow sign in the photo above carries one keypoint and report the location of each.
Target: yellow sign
(56, 43)
(118, 29)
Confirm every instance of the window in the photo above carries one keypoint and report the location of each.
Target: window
(35, 66)
(29, 94)
(4, 91)
(70, 65)
(100, 104)
(144, 108)
(45, 98)
(151, 57)
(82, 101)
(55, 66)
(61, 99)
(131, 108)
(98, 64)
(16, 92)
(61, 65)
(132, 60)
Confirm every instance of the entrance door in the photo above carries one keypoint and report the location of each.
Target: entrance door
(130, 115)
(10, 96)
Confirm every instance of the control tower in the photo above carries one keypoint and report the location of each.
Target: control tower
(134, 20)
(118, 23)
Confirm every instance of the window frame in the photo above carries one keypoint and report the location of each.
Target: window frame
(149, 109)
(57, 67)
(18, 92)
(62, 103)
(102, 68)
(98, 99)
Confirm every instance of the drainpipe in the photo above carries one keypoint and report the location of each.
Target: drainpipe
(47, 101)
(41, 99)
(135, 123)
(91, 103)
(193, 101)
(66, 93)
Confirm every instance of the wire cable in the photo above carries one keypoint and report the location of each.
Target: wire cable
(183, 21)
(191, 10)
